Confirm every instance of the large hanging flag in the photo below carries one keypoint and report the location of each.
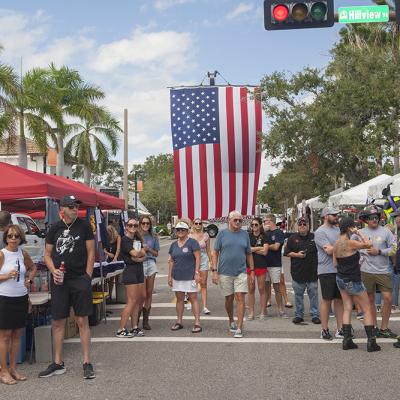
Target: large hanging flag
(217, 155)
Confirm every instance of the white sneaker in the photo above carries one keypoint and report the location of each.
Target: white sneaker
(238, 333)
(262, 317)
(250, 317)
(339, 334)
(206, 311)
(188, 306)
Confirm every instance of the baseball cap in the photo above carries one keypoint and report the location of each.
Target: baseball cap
(329, 211)
(69, 201)
(182, 225)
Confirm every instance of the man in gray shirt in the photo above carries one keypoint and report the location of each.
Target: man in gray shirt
(232, 252)
(325, 237)
(5, 219)
(375, 266)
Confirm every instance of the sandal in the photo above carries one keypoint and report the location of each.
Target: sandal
(8, 381)
(197, 329)
(17, 376)
(177, 326)
(289, 305)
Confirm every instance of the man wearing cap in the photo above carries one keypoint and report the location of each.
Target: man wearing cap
(375, 266)
(325, 237)
(232, 252)
(302, 251)
(70, 241)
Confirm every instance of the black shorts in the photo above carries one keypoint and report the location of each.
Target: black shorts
(74, 292)
(133, 275)
(329, 288)
(13, 312)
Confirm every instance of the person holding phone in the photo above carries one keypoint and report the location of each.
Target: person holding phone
(303, 255)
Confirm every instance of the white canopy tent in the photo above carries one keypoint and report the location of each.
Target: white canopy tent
(357, 195)
(375, 191)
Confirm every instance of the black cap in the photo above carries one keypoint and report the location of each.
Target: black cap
(69, 201)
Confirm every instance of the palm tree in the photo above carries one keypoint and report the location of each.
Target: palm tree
(88, 146)
(73, 98)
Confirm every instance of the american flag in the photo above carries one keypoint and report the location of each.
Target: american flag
(216, 152)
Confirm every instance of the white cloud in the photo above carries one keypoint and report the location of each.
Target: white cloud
(164, 4)
(239, 10)
(165, 49)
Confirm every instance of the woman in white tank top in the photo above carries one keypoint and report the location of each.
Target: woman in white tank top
(16, 273)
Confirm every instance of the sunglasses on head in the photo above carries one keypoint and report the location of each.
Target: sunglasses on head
(145, 223)
(13, 236)
(132, 225)
(72, 206)
(181, 229)
(237, 220)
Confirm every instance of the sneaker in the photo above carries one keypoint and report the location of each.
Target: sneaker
(206, 311)
(188, 306)
(386, 333)
(123, 333)
(137, 332)
(282, 314)
(53, 369)
(297, 320)
(315, 320)
(262, 317)
(339, 334)
(250, 317)
(360, 316)
(238, 333)
(88, 372)
(326, 335)
(232, 327)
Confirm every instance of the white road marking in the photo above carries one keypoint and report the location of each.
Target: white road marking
(198, 339)
(153, 305)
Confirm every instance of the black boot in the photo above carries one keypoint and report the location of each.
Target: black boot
(371, 344)
(138, 318)
(348, 343)
(146, 315)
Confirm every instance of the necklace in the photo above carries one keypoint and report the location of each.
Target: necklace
(70, 225)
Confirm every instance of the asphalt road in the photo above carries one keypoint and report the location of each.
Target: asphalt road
(275, 360)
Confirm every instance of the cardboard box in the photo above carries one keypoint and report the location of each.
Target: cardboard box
(71, 329)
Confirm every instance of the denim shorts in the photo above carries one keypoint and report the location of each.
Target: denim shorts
(149, 267)
(352, 288)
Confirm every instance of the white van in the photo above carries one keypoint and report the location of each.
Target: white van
(35, 241)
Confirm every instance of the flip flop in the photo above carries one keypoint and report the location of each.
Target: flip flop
(177, 326)
(18, 377)
(197, 329)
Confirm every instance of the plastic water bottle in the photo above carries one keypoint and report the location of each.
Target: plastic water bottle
(63, 270)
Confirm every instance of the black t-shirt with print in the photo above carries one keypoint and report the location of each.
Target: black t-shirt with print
(126, 247)
(70, 246)
(259, 260)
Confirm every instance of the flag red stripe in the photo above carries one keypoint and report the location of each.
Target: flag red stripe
(177, 183)
(189, 181)
(203, 181)
(218, 180)
(258, 115)
(231, 147)
(245, 148)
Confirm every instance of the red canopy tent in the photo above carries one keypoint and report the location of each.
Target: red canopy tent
(22, 189)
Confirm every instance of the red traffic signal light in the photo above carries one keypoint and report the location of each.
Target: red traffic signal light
(296, 14)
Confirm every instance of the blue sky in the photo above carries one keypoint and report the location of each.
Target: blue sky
(135, 49)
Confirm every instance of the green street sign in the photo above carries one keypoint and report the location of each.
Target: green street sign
(363, 14)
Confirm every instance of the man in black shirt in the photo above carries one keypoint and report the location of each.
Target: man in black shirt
(302, 251)
(70, 241)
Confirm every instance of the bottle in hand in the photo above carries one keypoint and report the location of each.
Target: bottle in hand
(62, 270)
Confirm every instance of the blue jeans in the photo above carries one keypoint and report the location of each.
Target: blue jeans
(312, 291)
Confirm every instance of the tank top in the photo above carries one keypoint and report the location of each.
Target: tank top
(349, 267)
(13, 287)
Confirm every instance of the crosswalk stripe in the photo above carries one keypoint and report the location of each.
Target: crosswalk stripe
(153, 305)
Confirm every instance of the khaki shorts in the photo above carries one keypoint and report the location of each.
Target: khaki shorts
(273, 274)
(383, 282)
(233, 284)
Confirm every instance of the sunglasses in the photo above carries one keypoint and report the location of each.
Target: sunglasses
(255, 225)
(198, 223)
(72, 206)
(132, 225)
(13, 236)
(302, 224)
(181, 230)
(145, 223)
(238, 220)
(373, 218)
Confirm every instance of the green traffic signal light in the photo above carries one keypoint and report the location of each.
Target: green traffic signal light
(318, 11)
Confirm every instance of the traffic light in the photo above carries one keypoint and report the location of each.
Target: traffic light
(295, 14)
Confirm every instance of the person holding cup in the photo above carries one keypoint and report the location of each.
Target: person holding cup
(184, 274)
(17, 271)
(133, 254)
